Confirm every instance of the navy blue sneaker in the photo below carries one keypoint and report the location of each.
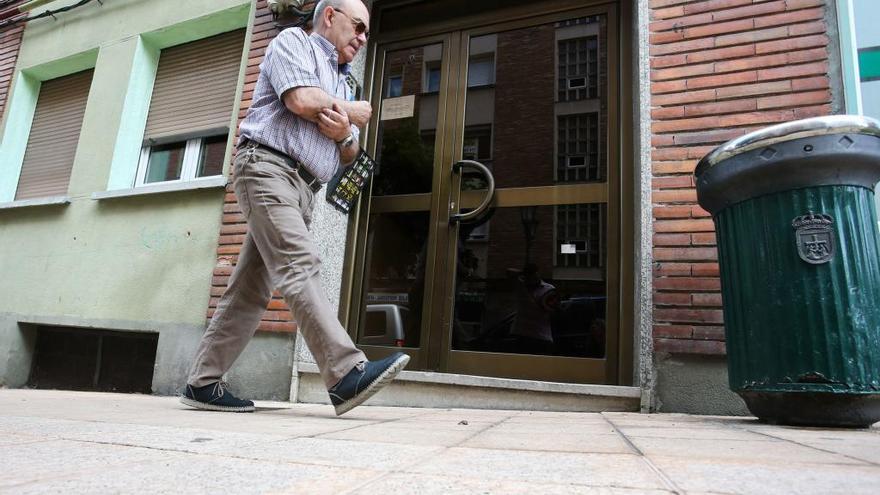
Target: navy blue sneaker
(215, 397)
(364, 380)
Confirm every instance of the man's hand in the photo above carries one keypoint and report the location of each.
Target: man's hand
(359, 112)
(334, 123)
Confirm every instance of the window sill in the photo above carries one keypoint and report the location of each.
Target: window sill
(22, 203)
(206, 183)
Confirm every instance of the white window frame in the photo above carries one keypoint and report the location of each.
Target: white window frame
(576, 243)
(191, 155)
(849, 57)
(578, 86)
(583, 165)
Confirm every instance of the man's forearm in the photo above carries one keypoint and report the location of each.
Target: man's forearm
(307, 102)
(355, 112)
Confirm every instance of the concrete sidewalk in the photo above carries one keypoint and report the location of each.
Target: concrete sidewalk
(73, 442)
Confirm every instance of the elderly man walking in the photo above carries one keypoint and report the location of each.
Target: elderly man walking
(300, 128)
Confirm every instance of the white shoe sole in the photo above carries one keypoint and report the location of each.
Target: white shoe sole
(211, 407)
(389, 374)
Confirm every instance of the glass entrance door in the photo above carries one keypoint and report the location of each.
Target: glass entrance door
(393, 289)
(527, 287)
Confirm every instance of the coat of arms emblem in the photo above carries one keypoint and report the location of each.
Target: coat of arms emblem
(814, 234)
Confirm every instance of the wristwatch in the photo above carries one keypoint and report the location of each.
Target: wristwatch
(345, 143)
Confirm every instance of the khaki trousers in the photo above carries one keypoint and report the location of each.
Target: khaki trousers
(279, 252)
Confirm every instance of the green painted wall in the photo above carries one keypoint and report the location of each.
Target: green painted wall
(144, 258)
(25, 90)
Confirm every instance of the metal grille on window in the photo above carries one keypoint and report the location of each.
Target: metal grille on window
(578, 68)
(580, 232)
(578, 148)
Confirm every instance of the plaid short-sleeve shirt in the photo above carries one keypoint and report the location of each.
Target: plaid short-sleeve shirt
(296, 59)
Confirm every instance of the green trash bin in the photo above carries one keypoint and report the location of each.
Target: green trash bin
(799, 255)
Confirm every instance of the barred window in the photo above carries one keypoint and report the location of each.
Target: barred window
(578, 68)
(580, 236)
(578, 148)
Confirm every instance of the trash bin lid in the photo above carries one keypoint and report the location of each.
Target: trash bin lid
(820, 151)
(789, 131)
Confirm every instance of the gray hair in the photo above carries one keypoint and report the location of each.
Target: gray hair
(322, 5)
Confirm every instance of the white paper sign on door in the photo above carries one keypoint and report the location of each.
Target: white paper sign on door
(401, 107)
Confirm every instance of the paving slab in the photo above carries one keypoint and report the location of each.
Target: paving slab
(150, 436)
(778, 477)
(14, 439)
(544, 427)
(380, 456)
(559, 441)
(389, 433)
(767, 451)
(75, 442)
(588, 470)
(405, 484)
(191, 473)
(54, 459)
(690, 432)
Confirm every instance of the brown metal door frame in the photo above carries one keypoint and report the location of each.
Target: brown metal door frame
(549, 368)
(356, 254)
(435, 352)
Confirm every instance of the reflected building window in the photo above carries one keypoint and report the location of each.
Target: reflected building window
(477, 143)
(432, 77)
(580, 238)
(481, 71)
(578, 69)
(581, 106)
(395, 86)
(578, 148)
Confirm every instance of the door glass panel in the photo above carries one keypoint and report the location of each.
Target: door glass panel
(537, 98)
(397, 240)
(395, 279)
(543, 288)
(408, 121)
(535, 113)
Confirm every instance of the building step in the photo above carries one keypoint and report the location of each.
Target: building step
(448, 390)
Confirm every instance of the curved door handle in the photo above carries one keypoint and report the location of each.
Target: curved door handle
(464, 217)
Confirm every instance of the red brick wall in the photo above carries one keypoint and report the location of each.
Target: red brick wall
(10, 42)
(719, 69)
(232, 232)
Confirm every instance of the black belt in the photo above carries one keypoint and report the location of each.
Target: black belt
(312, 181)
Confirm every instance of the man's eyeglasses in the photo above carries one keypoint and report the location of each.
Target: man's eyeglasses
(360, 28)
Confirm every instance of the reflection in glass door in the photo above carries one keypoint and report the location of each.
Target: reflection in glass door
(395, 231)
(532, 285)
(529, 287)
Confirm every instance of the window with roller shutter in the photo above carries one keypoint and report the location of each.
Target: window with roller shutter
(193, 97)
(52, 142)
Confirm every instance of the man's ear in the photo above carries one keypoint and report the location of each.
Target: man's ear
(324, 17)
